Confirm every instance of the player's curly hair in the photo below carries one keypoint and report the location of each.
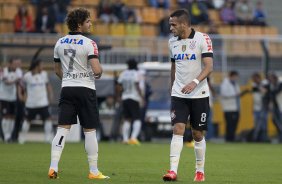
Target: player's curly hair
(76, 17)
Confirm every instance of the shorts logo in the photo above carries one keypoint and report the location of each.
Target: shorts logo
(172, 115)
(201, 124)
(183, 48)
(192, 45)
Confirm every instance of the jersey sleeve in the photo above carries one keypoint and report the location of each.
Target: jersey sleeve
(92, 50)
(206, 46)
(56, 53)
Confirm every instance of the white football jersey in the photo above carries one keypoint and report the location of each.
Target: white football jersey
(187, 55)
(36, 89)
(128, 80)
(8, 92)
(74, 51)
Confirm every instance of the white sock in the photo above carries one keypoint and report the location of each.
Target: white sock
(5, 128)
(125, 130)
(23, 133)
(136, 129)
(91, 148)
(200, 151)
(48, 129)
(58, 144)
(176, 146)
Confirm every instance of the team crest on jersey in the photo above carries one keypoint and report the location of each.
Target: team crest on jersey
(192, 45)
(183, 48)
(172, 115)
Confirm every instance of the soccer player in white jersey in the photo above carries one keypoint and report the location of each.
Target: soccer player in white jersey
(8, 97)
(131, 97)
(191, 62)
(37, 94)
(77, 64)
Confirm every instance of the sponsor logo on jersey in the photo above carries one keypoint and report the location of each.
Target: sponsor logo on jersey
(184, 56)
(69, 75)
(72, 41)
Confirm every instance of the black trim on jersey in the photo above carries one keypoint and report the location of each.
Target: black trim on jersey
(208, 54)
(191, 36)
(172, 60)
(92, 56)
(75, 33)
(57, 60)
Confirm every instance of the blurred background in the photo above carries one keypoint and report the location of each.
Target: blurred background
(246, 39)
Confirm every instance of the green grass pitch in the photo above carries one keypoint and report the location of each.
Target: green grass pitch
(145, 164)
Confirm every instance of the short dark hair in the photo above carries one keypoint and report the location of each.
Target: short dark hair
(233, 73)
(132, 64)
(182, 15)
(34, 64)
(75, 17)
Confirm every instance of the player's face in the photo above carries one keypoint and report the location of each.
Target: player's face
(176, 27)
(86, 26)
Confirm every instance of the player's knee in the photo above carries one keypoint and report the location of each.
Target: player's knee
(197, 135)
(179, 129)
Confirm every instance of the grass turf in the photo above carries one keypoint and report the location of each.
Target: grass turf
(225, 163)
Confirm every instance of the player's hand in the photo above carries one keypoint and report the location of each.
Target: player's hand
(97, 76)
(189, 88)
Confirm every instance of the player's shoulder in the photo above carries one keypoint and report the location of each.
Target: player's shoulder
(201, 35)
(173, 40)
(27, 74)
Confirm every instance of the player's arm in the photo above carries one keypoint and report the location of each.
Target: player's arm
(172, 74)
(207, 69)
(21, 93)
(58, 69)
(49, 92)
(96, 67)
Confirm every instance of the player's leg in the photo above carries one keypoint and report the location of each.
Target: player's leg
(136, 128)
(7, 120)
(67, 117)
(29, 115)
(127, 121)
(48, 124)
(179, 117)
(199, 116)
(88, 115)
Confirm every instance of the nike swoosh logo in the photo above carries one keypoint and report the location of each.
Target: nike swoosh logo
(175, 46)
(201, 124)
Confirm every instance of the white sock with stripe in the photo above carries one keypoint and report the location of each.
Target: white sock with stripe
(57, 148)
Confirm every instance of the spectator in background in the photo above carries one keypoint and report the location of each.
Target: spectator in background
(23, 21)
(164, 26)
(230, 101)
(159, 3)
(260, 108)
(131, 15)
(45, 21)
(60, 7)
(199, 13)
(259, 14)
(118, 8)
(183, 3)
(108, 105)
(227, 14)
(105, 12)
(8, 97)
(244, 12)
